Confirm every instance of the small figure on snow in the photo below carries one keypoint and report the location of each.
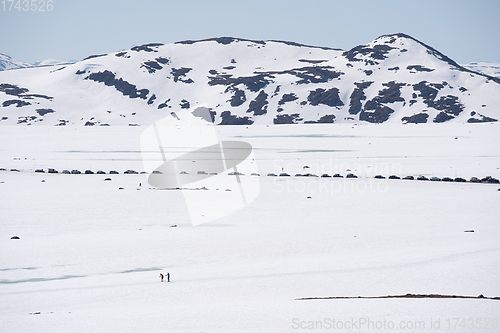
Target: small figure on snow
(161, 277)
(168, 277)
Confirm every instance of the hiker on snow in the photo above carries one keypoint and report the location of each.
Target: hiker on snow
(168, 277)
(161, 277)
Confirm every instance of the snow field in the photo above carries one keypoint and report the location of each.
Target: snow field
(90, 254)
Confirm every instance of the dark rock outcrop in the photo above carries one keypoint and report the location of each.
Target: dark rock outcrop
(286, 119)
(416, 118)
(326, 119)
(127, 89)
(229, 119)
(357, 96)
(259, 105)
(328, 97)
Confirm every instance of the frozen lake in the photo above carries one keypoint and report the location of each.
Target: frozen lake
(90, 254)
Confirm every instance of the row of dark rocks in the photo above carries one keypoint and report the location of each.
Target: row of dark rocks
(78, 172)
(487, 179)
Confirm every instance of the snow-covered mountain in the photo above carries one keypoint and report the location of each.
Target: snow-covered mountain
(487, 68)
(395, 78)
(6, 62)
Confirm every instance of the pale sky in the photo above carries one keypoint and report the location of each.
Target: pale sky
(464, 30)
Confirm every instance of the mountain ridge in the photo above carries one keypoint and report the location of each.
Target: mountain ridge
(394, 78)
(6, 63)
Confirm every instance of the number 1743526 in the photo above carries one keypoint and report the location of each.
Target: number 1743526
(27, 5)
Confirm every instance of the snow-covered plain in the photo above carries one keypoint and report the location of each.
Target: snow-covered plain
(89, 255)
(487, 68)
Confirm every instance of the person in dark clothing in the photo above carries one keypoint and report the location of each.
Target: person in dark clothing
(168, 277)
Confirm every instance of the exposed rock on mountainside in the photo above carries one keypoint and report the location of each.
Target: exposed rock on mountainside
(395, 78)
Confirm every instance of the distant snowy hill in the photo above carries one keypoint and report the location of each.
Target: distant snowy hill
(6, 62)
(52, 62)
(487, 68)
(395, 79)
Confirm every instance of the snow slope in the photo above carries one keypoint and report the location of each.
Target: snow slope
(394, 79)
(89, 254)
